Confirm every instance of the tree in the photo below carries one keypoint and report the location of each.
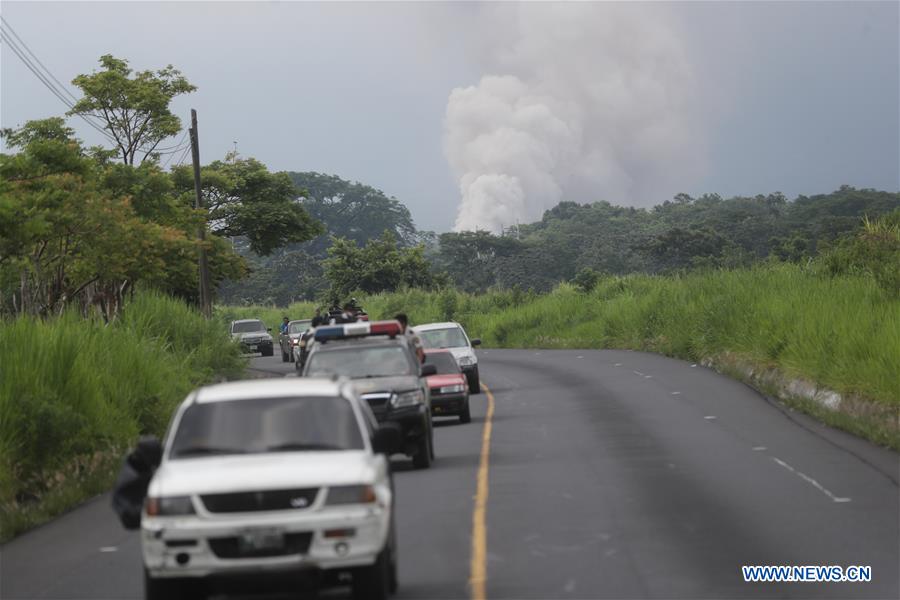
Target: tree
(380, 266)
(352, 210)
(134, 109)
(77, 230)
(243, 198)
(64, 235)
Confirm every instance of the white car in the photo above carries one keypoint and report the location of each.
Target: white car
(253, 336)
(267, 477)
(452, 336)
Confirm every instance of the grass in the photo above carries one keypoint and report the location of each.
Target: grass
(75, 394)
(842, 333)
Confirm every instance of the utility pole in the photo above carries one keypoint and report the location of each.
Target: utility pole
(205, 299)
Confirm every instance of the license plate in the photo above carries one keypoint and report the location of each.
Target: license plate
(253, 347)
(263, 539)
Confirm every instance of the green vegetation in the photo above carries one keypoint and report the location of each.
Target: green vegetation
(351, 212)
(79, 229)
(379, 266)
(841, 332)
(570, 239)
(76, 393)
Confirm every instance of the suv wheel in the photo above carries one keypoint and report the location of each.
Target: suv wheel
(474, 382)
(425, 452)
(168, 589)
(374, 582)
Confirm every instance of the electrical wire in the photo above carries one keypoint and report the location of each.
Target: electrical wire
(27, 49)
(178, 148)
(44, 80)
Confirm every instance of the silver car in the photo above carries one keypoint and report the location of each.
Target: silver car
(290, 340)
(253, 336)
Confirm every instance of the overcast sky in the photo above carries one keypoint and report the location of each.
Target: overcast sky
(591, 102)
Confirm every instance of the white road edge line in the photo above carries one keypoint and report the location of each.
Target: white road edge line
(810, 481)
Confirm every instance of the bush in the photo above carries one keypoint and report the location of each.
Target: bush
(72, 388)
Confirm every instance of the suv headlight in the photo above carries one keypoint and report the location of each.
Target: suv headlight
(174, 505)
(350, 494)
(452, 389)
(407, 398)
(465, 361)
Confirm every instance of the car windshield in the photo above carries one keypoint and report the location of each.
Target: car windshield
(361, 361)
(443, 361)
(298, 326)
(267, 425)
(451, 337)
(247, 327)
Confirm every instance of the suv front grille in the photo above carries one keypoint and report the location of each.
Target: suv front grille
(255, 501)
(378, 402)
(231, 547)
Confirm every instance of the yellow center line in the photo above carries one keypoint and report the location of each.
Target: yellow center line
(478, 567)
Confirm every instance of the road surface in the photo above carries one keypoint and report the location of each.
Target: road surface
(612, 474)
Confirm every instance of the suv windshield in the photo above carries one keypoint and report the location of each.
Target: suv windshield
(298, 326)
(361, 361)
(247, 327)
(451, 337)
(443, 361)
(266, 425)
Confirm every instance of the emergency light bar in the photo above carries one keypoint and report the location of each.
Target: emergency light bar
(358, 329)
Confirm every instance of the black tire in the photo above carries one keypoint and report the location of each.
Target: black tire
(374, 582)
(170, 589)
(394, 581)
(466, 415)
(269, 352)
(425, 452)
(474, 382)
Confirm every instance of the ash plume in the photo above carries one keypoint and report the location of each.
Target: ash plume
(581, 101)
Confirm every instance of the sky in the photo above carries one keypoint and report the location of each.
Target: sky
(479, 115)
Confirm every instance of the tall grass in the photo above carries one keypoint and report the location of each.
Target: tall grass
(74, 393)
(841, 332)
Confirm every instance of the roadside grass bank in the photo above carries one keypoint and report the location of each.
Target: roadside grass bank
(834, 334)
(76, 393)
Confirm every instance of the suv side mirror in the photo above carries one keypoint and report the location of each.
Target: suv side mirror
(268, 329)
(148, 451)
(387, 439)
(475, 341)
(133, 479)
(428, 370)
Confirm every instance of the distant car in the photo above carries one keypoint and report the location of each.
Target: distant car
(451, 336)
(449, 388)
(383, 366)
(253, 336)
(291, 339)
(271, 477)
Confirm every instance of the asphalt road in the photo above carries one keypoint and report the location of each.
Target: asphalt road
(613, 474)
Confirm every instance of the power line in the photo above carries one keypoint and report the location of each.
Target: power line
(43, 78)
(178, 147)
(27, 49)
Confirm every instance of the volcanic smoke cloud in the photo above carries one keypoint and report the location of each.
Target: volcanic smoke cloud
(590, 101)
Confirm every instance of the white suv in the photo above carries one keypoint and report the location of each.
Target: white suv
(272, 476)
(452, 337)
